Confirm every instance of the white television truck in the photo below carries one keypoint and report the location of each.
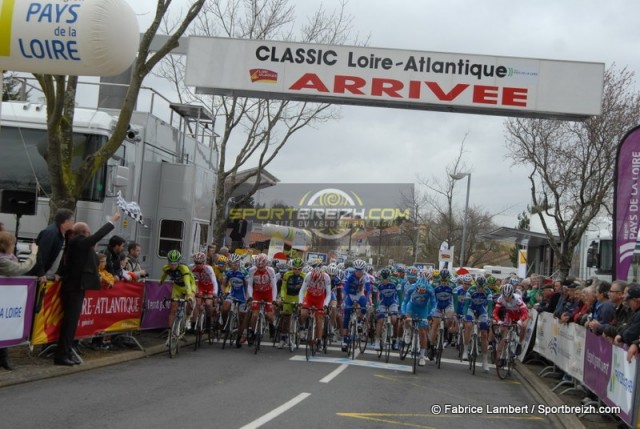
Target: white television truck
(168, 170)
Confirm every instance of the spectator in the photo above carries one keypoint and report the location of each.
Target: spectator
(133, 265)
(114, 249)
(127, 275)
(570, 302)
(212, 254)
(107, 279)
(622, 311)
(50, 241)
(549, 297)
(631, 332)
(10, 266)
(604, 311)
(81, 274)
(584, 311)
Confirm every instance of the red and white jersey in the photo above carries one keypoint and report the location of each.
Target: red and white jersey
(516, 308)
(318, 288)
(205, 278)
(262, 280)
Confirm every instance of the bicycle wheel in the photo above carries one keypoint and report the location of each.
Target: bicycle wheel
(473, 353)
(439, 346)
(199, 329)
(512, 355)
(460, 342)
(404, 347)
(353, 335)
(293, 334)
(312, 335)
(383, 336)
(227, 330)
(173, 338)
(308, 340)
(277, 334)
(415, 348)
(502, 362)
(258, 333)
(326, 333)
(387, 342)
(363, 338)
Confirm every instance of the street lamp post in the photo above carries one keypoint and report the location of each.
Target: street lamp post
(459, 176)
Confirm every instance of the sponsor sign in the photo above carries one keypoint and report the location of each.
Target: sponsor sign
(395, 78)
(17, 295)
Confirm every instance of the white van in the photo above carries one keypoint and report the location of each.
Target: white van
(498, 271)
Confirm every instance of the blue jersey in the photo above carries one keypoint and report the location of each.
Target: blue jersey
(356, 286)
(459, 295)
(237, 284)
(444, 294)
(387, 293)
(478, 300)
(413, 298)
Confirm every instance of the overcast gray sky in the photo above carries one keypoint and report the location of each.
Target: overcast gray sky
(369, 145)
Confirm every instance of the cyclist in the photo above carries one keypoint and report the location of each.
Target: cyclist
(419, 301)
(315, 292)
(459, 295)
(354, 286)
(289, 290)
(477, 307)
(386, 290)
(336, 297)
(182, 281)
(234, 286)
(220, 267)
(443, 289)
(207, 286)
(509, 308)
(261, 286)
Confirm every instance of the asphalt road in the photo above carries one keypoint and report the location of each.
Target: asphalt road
(233, 388)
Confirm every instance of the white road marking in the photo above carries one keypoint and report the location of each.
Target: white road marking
(333, 374)
(347, 361)
(276, 412)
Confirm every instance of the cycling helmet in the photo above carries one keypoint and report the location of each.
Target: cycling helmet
(261, 260)
(514, 281)
(412, 272)
(332, 270)
(491, 280)
(435, 274)
(400, 269)
(385, 273)
(222, 260)
(297, 263)
(199, 258)
(306, 269)
(467, 278)
(445, 274)
(507, 290)
(234, 259)
(481, 281)
(340, 266)
(174, 256)
(282, 267)
(359, 264)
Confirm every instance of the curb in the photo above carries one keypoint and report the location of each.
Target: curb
(544, 395)
(51, 371)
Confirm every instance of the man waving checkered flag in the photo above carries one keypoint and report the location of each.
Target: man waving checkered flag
(131, 209)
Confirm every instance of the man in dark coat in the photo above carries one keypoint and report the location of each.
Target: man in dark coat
(81, 273)
(50, 241)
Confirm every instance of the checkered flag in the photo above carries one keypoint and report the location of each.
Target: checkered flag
(131, 209)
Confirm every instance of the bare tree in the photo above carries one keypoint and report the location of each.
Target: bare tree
(255, 130)
(67, 180)
(572, 163)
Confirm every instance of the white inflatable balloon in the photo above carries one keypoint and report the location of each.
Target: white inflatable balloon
(70, 37)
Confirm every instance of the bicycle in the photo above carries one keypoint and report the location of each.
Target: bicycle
(203, 324)
(413, 345)
(231, 329)
(260, 328)
(386, 337)
(506, 360)
(460, 338)
(310, 326)
(328, 331)
(293, 340)
(474, 347)
(439, 343)
(357, 332)
(178, 327)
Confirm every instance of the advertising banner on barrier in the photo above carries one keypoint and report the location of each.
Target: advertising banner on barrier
(597, 364)
(155, 313)
(111, 310)
(531, 327)
(106, 310)
(563, 344)
(17, 295)
(622, 383)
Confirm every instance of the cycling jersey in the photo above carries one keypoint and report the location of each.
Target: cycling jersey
(513, 310)
(478, 306)
(236, 285)
(419, 304)
(354, 288)
(459, 294)
(444, 294)
(261, 286)
(182, 279)
(291, 285)
(315, 293)
(388, 296)
(205, 279)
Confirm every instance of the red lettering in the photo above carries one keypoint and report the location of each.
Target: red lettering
(389, 87)
(449, 96)
(515, 97)
(352, 84)
(414, 88)
(485, 94)
(309, 81)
